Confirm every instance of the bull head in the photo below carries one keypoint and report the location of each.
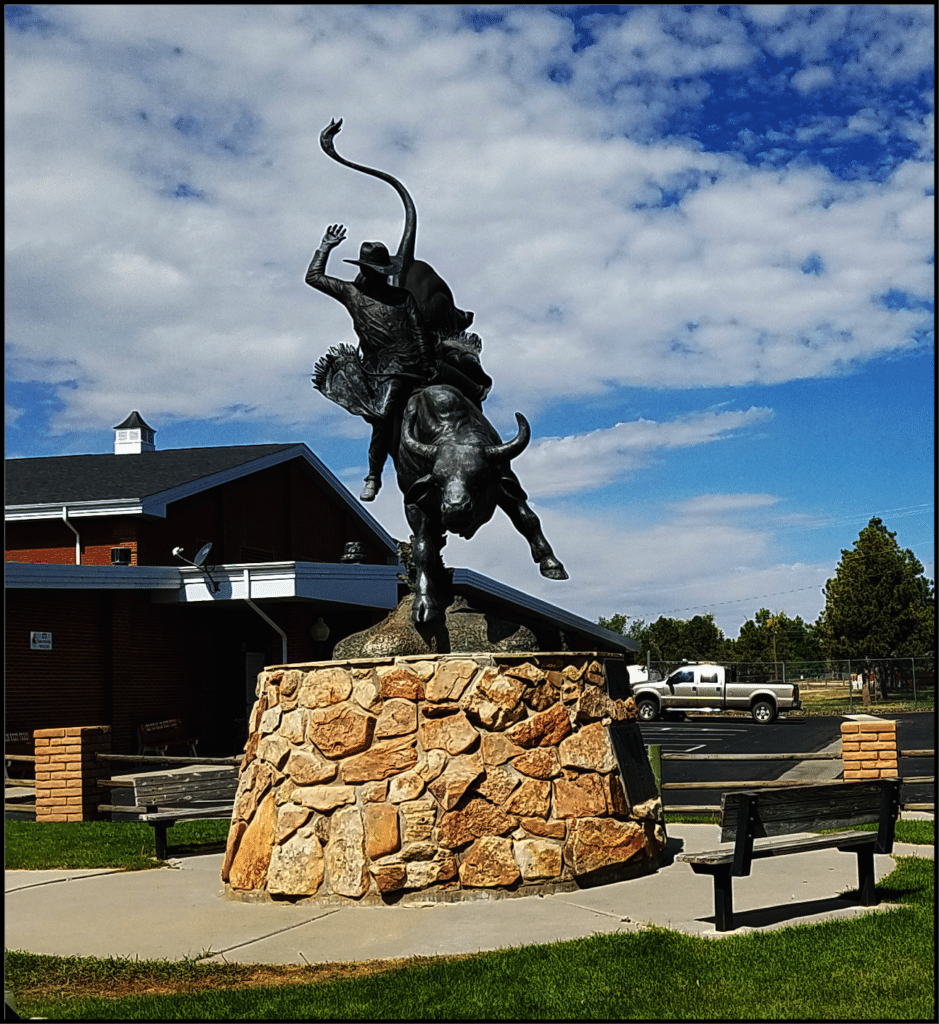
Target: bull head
(493, 452)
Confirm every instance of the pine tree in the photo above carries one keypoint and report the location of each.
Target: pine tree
(878, 604)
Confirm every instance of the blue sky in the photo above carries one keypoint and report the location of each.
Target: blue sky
(697, 239)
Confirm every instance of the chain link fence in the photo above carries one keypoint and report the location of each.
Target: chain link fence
(860, 681)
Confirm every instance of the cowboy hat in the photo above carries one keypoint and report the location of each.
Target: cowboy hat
(375, 256)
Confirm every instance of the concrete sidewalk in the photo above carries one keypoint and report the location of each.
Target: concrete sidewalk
(181, 911)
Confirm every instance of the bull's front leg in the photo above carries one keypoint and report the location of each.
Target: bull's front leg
(431, 593)
(529, 526)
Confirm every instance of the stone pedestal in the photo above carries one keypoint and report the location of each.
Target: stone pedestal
(440, 777)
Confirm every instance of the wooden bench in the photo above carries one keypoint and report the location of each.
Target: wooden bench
(747, 816)
(159, 737)
(163, 800)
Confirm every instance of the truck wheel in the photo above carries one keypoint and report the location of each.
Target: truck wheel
(764, 712)
(648, 710)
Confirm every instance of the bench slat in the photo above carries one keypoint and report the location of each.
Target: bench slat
(782, 847)
(806, 809)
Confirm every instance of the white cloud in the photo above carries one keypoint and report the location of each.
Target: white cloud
(809, 79)
(583, 462)
(166, 190)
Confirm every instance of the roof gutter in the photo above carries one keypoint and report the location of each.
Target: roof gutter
(267, 619)
(78, 540)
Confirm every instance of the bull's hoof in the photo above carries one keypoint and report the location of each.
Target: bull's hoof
(552, 569)
(371, 488)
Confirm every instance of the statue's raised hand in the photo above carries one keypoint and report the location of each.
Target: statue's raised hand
(328, 134)
(335, 234)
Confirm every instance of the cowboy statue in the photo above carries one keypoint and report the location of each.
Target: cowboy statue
(410, 331)
(395, 352)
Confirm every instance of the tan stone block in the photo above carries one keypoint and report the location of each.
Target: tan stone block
(253, 855)
(538, 859)
(405, 787)
(373, 792)
(881, 746)
(419, 818)
(451, 732)
(456, 779)
(590, 748)
(324, 687)
(477, 818)
(850, 727)
(340, 731)
(539, 763)
(489, 863)
(381, 761)
(400, 681)
(862, 774)
(547, 829)
(398, 716)
(617, 805)
(869, 727)
(887, 768)
(345, 854)
(390, 877)
(306, 768)
(596, 843)
(498, 784)
(853, 755)
(845, 746)
(290, 817)
(297, 865)
(431, 763)
(546, 728)
(450, 680)
(496, 748)
(274, 749)
(579, 798)
(323, 798)
(531, 800)
(382, 830)
(494, 700)
(366, 693)
(527, 671)
(47, 734)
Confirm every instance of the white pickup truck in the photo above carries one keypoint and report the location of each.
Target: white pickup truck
(711, 688)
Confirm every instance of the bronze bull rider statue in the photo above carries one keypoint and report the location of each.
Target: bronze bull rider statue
(417, 379)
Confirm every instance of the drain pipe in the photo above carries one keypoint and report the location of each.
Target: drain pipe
(267, 619)
(78, 540)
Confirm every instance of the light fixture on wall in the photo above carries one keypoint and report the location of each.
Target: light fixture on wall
(319, 631)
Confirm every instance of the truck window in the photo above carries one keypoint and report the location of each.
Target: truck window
(712, 678)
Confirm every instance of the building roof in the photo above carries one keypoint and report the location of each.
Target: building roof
(145, 483)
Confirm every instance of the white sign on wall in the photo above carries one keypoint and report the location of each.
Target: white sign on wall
(40, 641)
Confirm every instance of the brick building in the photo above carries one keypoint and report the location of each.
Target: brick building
(149, 584)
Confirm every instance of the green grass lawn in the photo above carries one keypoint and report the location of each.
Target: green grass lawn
(45, 845)
(878, 966)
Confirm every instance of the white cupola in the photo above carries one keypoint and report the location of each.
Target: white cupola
(133, 436)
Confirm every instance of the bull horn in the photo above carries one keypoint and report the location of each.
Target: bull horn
(423, 451)
(512, 449)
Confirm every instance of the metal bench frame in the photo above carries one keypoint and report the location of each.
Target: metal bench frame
(748, 815)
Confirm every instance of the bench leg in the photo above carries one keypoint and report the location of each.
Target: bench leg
(723, 901)
(159, 832)
(865, 876)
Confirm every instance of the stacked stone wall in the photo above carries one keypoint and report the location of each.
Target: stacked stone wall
(439, 777)
(869, 750)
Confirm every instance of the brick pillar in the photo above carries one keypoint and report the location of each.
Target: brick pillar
(67, 773)
(869, 750)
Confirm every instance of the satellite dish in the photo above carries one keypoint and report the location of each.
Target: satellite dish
(202, 554)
